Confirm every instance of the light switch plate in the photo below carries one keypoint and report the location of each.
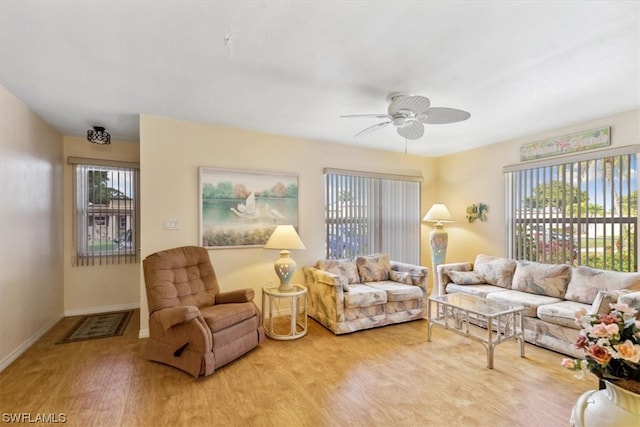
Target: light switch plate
(172, 224)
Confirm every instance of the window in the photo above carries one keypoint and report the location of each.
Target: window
(368, 213)
(106, 211)
(579, 210)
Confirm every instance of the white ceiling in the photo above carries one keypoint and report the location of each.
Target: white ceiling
(294, 67)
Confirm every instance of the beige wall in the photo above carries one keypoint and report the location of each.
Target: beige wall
(38, 283)
(171, 152)
(93, 289)
(31, 276)
(476, 176)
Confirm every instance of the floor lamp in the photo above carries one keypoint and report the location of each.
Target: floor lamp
(438, 237)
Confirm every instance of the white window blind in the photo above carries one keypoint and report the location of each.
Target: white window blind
(368, 213)
(106, 220)
(578, 210)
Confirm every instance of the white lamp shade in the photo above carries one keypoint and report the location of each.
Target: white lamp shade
(284, 237)
(438, 213)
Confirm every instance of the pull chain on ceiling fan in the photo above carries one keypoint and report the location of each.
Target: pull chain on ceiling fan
(408, 113)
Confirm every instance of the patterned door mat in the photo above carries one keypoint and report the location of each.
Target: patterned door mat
(95, 326)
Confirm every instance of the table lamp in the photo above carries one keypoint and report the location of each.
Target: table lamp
(438, 237)
(284, 237)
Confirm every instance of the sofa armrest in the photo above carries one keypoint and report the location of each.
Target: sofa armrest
(632, 299)
(169, 317)
(443, 277)
(238, 295)
(602, 302)
(419, 274)
(315, 276)
(325, 294)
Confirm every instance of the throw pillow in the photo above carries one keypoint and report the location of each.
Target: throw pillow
(541, 279)
(374, 268)
(465, 277)
(341, 267)
(400, 277)
(495, 271)
(586, 282)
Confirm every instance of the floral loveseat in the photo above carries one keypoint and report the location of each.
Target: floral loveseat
(551, 293)
(352, 294)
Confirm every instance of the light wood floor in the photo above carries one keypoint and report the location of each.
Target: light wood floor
(388, 376)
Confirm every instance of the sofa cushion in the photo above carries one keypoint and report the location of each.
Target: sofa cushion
(561, 313)
(495, 271)
(586, 282)
(397, 291)
(465, 277)
(531, 302)
(361, 295)
(373, 268)
(401, 277)
(478, 290)
(341, 267)
(542, 279)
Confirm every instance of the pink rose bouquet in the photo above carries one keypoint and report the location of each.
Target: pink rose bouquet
(611, 344)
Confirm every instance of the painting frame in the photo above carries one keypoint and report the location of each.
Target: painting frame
(241, 208)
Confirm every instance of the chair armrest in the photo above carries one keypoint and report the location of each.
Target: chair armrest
(238, 295)
(443, 277)
(169, 317)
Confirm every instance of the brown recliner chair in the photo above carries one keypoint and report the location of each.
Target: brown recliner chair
(192, 325)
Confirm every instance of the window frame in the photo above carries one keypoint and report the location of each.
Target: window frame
(568, 233)
(107, 217)
(373, 221)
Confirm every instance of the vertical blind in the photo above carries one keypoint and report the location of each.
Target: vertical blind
(106, 220)
(368, 213)
(578, 210)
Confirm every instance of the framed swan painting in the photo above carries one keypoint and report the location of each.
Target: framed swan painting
(242, 208)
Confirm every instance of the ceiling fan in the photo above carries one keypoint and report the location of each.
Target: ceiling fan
(408, 113)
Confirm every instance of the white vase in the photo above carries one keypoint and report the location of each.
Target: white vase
(613, 406)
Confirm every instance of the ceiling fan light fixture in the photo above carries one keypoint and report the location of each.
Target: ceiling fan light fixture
(409, 113)
(98, 135)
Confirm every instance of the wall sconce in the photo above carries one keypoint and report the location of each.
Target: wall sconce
(478, 211)
(98, 135)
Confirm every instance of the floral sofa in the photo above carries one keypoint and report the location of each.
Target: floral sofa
(366, 292)
(551, 293)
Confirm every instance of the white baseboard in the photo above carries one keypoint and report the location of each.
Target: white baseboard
(29, 342)
(101, 309)
(143, 333)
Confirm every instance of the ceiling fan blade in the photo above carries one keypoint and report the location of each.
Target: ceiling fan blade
(377, 116)
(416, 104)
(372, 128)
(442, 115)
(411, 130)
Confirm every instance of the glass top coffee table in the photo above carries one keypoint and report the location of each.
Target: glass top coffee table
(456, 311)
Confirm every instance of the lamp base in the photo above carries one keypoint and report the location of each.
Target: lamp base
(439, 239)
(285, 267)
